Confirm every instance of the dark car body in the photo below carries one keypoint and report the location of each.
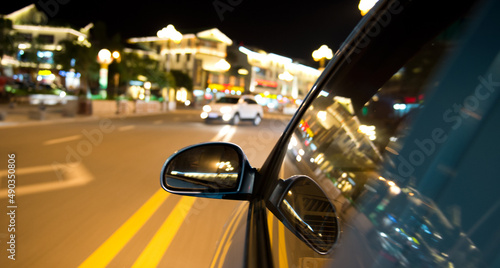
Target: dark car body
(359, 178)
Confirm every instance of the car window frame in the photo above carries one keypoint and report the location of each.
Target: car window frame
(350, 53)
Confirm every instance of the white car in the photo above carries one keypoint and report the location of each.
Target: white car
(233, 109)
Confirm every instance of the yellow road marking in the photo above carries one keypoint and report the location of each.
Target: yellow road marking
(282, 246)
(154, 251)
(229, 232)
(112, 246)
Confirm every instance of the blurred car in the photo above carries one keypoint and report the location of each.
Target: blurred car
(234, 109)
(391, 160)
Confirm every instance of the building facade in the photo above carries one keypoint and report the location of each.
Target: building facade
(36, 44)
(201, 55)
(277, 80)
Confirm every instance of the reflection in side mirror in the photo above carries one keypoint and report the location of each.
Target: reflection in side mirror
(307, 212)
(209, 169)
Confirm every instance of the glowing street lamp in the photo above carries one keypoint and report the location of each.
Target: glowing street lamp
(321, 54)
(116, 55)
(105, 57)
(365, 6)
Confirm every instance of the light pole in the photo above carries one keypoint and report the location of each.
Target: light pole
(169, 33)
(104, 57)
(321, 54)
(147, 92)
(365, 6)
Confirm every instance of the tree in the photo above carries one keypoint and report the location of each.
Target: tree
(182, 80)
(133, 65)
(81, 57)
(6, 40)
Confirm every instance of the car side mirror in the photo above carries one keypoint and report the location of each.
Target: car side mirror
(306, 211)
(215, 170)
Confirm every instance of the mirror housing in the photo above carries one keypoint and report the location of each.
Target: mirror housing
(214, 170)
(305, 210)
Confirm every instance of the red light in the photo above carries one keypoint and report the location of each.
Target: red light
(410, 99)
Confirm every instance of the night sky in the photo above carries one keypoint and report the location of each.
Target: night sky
(288, 28)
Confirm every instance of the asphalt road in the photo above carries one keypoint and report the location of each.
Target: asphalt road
(87, 192)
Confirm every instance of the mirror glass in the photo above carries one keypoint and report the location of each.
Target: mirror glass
(310, 214)
(204, 168)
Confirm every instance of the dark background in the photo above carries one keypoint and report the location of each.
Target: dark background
(289, 28)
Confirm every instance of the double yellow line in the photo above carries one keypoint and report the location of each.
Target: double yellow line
(152, 254)
(154, 251)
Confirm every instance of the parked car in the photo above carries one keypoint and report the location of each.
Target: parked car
(391, 160)
(234, 109)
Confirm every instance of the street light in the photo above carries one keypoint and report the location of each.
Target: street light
(105, 57)
(321, 54)
(365, 6)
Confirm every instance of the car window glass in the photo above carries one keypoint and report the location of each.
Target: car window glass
(227, 100)
(344, 145)
(250, 101)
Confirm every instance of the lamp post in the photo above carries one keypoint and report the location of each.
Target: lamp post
(321, 54)
(104, 57)
(168, 34)
(116, 77)
(147, 92)
(365, 6)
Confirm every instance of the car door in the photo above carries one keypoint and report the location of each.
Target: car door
(390, 160)
(246, 108)
(399, 134)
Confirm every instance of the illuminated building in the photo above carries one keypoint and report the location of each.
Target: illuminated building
(201, 55)
(278, 80)
(36, 45)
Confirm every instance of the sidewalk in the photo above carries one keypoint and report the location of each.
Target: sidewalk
(20, 115)
(24, 115)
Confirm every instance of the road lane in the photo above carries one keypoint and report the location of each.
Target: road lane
(112, 246)
(62, 228)
(61, 140)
